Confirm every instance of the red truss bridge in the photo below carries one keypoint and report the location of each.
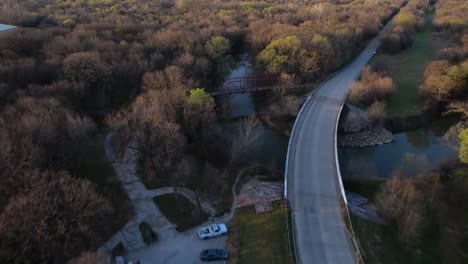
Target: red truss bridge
(246, 85)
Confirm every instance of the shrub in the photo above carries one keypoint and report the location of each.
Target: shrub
(442, 81)
(377, 110)
(399, 202)
(86, 67)
(371, 87)
(69, 22)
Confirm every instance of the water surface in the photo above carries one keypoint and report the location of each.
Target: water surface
(412, 153)
(271, 149)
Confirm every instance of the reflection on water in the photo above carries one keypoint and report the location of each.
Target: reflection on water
(271, 149)
(412, 153)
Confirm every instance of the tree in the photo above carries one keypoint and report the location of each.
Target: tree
(199, 112)
(171, 78)
(399, 202)
(464, 146)
(86, 67)
(217, 47)
(200, 99)
(250, 131)
(58, 131)
(287, 55)
(443, 81)
(67, 214)
(452, 136)
(371, 87)
(152, 120)
(457, 107)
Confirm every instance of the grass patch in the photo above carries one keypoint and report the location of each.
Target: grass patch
(147, 233)
(259, 238)
(407, 68)
(380, 244)
(180, 211)
(292, 245)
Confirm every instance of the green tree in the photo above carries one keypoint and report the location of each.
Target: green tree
(199, 112)
(217, 47)
(69, 22)
(288, 55)
(464, 146)
(443, 81)
(200, 99)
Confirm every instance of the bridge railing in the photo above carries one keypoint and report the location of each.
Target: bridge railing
(248, 82)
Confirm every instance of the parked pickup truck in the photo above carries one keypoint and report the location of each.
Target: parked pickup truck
(212, 230)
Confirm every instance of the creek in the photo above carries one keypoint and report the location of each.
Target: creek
(412, 153)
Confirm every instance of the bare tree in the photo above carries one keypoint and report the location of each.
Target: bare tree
(250, 131)
(458, 107)
(399, 202)
(66, 213)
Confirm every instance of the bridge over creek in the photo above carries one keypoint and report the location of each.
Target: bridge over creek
(250, 84)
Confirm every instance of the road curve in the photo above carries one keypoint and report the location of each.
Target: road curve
(313, 182)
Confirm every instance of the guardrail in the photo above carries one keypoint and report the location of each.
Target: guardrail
(343, 193)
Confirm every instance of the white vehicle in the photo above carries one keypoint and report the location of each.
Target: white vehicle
(212, 230)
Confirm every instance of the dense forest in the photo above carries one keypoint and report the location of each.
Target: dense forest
(74, 69)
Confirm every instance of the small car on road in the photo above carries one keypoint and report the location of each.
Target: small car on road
(212, 230)
(213, 254)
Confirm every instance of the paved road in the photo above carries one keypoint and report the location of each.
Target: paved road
(313, 182)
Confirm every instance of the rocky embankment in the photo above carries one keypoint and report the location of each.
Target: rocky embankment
(357, 130)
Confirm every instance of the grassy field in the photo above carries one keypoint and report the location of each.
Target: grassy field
(180, 211)
(406, 69)
(380, 244)
(259, 238)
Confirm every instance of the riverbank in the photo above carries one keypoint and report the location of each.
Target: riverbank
(440, 237)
